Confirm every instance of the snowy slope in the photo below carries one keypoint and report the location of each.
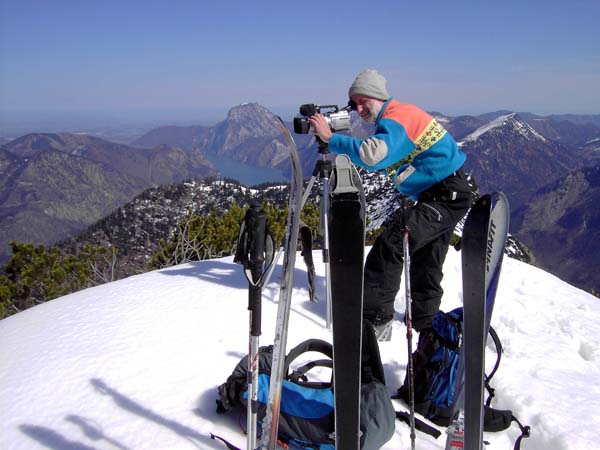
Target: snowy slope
(135, 364)
(522, 127)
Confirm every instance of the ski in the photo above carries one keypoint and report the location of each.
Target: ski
(347, 236)
(271, 421)
(483, 242)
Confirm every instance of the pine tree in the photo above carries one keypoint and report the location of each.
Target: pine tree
(36, 274)
(201, 237)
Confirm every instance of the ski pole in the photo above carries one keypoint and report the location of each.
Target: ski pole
(408, 318)
(253, 249)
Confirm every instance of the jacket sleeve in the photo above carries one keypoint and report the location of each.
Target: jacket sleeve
(387, 146)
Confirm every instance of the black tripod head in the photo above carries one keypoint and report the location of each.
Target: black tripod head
(323, 146)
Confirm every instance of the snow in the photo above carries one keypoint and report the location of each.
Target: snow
(501, 121)
(441, 119)
(135, 364)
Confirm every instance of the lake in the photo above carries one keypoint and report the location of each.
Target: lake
(245, 174)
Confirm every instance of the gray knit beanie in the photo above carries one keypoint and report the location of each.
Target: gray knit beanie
(370, 83)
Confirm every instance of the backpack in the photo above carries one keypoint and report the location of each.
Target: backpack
(307, 407)
(435, 366)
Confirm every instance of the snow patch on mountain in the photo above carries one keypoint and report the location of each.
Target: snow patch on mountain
(441, 118)
(503, 121)
(593, 140)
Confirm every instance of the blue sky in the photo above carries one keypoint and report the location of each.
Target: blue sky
(457, 57)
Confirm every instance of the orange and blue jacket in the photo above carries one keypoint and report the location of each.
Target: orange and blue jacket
(413, 148)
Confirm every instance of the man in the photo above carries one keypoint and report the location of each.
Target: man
(425, 164)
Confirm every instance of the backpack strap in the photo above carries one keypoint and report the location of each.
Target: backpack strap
(488, 378)
(525, 433)
(298, 376)
(227, 444)
(310, 345)
(499, 420)
(306, 239)
(494, 419)
(419, 424)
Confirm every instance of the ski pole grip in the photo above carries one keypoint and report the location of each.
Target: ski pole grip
(257, 229)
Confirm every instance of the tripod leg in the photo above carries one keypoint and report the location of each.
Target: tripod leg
(323, 168)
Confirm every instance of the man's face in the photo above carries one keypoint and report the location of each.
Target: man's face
(367, 108)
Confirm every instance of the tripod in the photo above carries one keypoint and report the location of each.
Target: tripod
(323, 169)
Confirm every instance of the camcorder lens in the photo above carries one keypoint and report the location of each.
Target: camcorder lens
(301, 125)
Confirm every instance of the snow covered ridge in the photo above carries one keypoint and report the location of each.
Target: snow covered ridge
(440, 118)
(135, 364)
(597, 140)
(512, 120)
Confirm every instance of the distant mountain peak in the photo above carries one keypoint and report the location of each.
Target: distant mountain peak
(441, 118)
(74, 143)
(507, 121)
(248, 109)
(254, 126)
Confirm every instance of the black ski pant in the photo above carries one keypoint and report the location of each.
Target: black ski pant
(431, 222)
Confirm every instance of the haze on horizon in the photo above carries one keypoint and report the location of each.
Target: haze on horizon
(190, 61)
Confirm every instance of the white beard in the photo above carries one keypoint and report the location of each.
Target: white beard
(373, 113)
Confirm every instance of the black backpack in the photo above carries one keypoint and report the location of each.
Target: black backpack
(307, 407)
(435, 364)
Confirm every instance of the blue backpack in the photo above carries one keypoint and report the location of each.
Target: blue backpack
(435, 364)
(307, 407)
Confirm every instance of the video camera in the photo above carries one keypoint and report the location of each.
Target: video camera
(338, 118)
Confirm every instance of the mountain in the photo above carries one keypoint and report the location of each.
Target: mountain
(571, 130)
(249, 134)
(506, 151)
(552, 198)
(461, 126)
(187, 138)
(137, 227)
(579, 119)
(158, 165)
(53, 195)
(584, 135)
(561, 224)
(54, 185)
(508, 154)
(592, 149)
(491, 116)
(561, 130)
(10, 165)
(136, 364)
